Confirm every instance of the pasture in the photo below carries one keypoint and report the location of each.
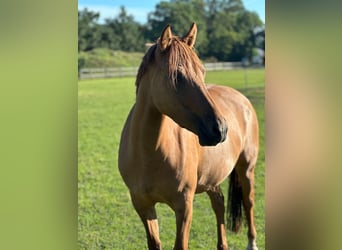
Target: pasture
(106, 218)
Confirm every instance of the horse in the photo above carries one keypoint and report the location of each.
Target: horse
(184, 137)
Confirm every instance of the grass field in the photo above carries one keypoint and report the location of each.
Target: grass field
(102, 58)
(106, 218)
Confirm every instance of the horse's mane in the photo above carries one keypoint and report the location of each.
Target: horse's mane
(178, 55)
(147, 59)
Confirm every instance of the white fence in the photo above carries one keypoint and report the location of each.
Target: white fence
(222, 66)
(93, 73)
(89, 73)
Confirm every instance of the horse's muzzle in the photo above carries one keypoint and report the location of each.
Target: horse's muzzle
(212, 132)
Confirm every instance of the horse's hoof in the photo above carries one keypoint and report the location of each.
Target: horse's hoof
(252, 247)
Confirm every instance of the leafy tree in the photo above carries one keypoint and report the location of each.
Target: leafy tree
(230, 30)
(108, 37)
(180, 14)
(123, 32)
(246, 22)
(226, 30)
(233, 6)
(221, 30)
(88, 30)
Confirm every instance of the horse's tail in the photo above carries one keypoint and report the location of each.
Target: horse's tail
(234, 203)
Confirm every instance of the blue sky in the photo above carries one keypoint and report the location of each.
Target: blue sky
(140, 8)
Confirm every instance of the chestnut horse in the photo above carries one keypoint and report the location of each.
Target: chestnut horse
(183, 137)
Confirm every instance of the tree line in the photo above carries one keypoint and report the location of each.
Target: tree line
(226, 30)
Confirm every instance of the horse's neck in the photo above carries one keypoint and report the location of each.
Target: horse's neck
(146, 120)
(155, 134)
(153, 130)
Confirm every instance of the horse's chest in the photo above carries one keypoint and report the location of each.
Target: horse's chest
(155, 182)
(150, 173)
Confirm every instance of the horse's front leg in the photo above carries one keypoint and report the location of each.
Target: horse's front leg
(183, 210)
(217, 203)
(148, 215)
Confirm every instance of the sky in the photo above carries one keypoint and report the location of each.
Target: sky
(140, 8)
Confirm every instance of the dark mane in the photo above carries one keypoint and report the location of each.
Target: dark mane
(180, 57)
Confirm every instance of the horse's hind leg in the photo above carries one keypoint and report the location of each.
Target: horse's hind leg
(245, 171)
(148, 215)
(217, 203)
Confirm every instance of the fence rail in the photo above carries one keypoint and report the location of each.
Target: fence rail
(222, 66)
(94, 73)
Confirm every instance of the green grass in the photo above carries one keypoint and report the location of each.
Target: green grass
(101, 58)
(240, 78)
(106, 218)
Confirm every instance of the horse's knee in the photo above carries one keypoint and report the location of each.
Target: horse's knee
(217, 200)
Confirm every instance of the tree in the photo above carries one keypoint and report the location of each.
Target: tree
(123, 32)
(88, 30)
(179, 14)
(226, 30)
(233, 6)
(108, 37)
(230, 30)
(222, 36)
(246, 22)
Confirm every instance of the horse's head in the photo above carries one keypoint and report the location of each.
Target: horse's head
(177, 89)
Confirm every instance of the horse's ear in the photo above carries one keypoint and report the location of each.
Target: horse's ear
(165, 38)
(190, 37)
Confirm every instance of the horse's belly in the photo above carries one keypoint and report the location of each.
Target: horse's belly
(214, 168)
